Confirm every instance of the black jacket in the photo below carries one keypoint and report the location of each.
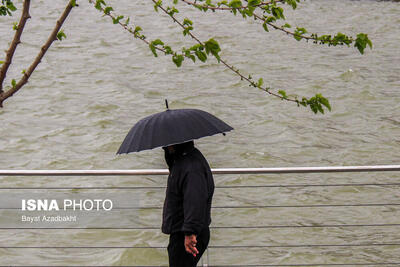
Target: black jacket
(190, 187)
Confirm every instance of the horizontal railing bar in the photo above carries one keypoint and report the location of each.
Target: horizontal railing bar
(92, 265)
(222, 186)
(82, 228)
(319, 264)
(212, 227)
(378, 168)
(307, 185)
(241, 265)
(306, 226)
(80, 187)
(213, 247)
(307, 245)
(252, 206)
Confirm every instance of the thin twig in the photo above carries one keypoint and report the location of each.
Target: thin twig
(127, 28)
(256, 16)
(232, 68)
(282, 28)
(43, 50)
(17, 40)
(228, 8)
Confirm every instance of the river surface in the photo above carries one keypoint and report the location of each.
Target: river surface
(93, 86)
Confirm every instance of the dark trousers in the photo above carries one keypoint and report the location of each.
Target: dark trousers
(178, 257)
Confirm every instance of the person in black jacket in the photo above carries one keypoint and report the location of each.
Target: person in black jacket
(187, 206)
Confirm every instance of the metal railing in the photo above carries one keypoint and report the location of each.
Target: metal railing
(144, 172)
(378, 168)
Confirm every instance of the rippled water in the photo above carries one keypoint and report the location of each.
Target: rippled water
(90, 89)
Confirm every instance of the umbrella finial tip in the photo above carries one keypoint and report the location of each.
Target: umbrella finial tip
(166, 103)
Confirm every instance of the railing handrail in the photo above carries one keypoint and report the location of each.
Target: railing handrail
(323, 169)
(205, 262)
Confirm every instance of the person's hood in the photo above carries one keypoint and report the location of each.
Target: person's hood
(179, 150)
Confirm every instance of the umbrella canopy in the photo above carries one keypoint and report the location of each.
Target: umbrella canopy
(172, 126)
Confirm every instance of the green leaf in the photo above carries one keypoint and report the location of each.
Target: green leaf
(117, 19)
(362, 41)
(212, 47)
(1, 62)
(178, 59)
(153, 45)
(172, 11)
(156, 5)
(7, 8)
(108, 10)
(187, 21)
(304, 102)
(201, 56)
(254, 2)
(283, 94)
(153, 50)
(287, 25)
(99, 4)
(369, 42)
(15, 26)
(292, 3)
(325, 102)
(73, 3)
(320, 109)
(235, 3)
(313, 107)
(316, 103)
(260, 82)
(168, 50)
(10, 5)
(61, 35)
(277, 12)
(13, 83)
(265, 27)
(196, 47)
(298, 33)
(297, 37)
(157, 42)
(187, 30)
(270, 19)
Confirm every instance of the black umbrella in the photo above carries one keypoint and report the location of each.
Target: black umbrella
(173, 126)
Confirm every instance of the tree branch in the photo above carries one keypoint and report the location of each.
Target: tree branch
(43, 50)
(254, 14)
(232, 68)
(17, 40)
(164, 48)
(340, 39)
(316, 103)
(283, 29)
(205, 6)
(125, 26)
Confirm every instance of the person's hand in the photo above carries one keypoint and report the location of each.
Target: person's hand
(190, 245)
